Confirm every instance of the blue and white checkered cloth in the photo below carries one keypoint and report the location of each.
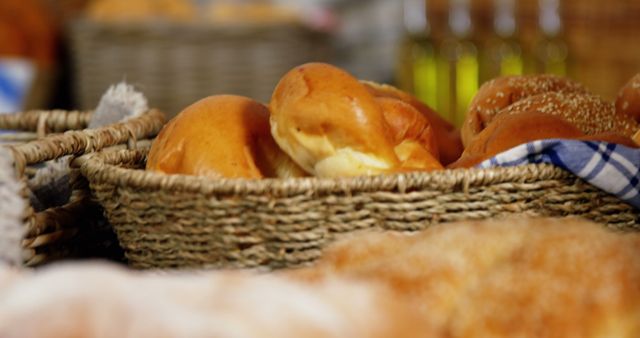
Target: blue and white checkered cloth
(611, 167)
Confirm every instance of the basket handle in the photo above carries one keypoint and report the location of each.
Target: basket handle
(41, 129)
(49, 120)
(79, 142)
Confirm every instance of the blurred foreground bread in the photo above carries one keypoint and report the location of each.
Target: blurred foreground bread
(104, 301)
(517, 277)
(501, 92)
(221, 136)
(514, 277)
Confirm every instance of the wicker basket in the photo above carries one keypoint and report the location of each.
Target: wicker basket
(175, 221)
(178, 63)
(77, 228)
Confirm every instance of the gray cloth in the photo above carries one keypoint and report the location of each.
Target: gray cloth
(50, 187)
(12, 211)
(119, 103)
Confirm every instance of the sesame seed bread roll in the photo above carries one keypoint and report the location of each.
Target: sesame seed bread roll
(628, 100)
(447, 137)
(221, 136)
(589, 113)
(507, 131)
(328, 122)
(501, 92)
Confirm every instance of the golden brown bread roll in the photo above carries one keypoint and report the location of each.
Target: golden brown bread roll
(447, 137)
(501, 92)
(140, 10)
(415, 144)
(589, 113)
(510, 130)
(328, 122)
(253, 13)
(628, 100)
(221, 136)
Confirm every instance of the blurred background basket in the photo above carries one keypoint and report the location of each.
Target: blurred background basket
(174, 221)
(175, 64)
(74, 228)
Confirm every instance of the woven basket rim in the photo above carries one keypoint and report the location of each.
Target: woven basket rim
(57, 120)
(196, 26)
(78, 142)
(105, 167)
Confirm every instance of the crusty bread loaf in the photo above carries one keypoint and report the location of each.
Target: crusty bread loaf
(221, 136)
(501, 92)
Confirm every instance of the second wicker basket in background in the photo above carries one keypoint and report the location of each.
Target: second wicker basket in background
(73, 228)
(176, 64)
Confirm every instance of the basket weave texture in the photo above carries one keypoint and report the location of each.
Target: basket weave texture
(177, 221)
(76, 228)
(177, 64)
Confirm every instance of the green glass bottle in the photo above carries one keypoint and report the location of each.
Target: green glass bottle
(503, 52)
(551, 51)
(458, 66)
(417, 66)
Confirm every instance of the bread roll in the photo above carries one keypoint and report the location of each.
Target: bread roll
(501, 92)
(221, 136)
(628, 100)
(508, 131)
(328, 122)
(589, 113)
(229, 12)
(447, 137)
(415, 143)
(141, 10)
